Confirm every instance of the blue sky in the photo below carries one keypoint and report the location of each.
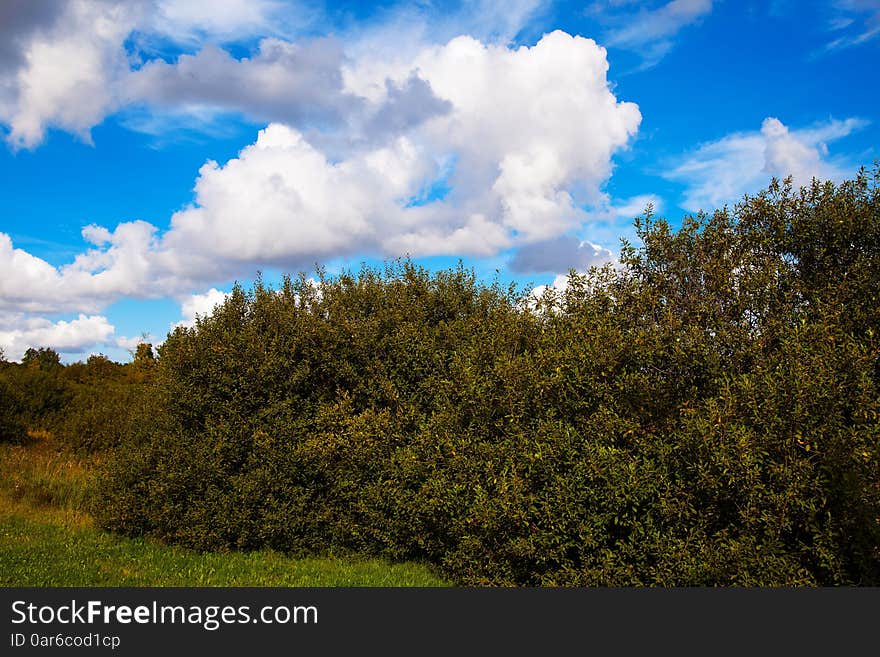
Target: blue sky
(156, 151)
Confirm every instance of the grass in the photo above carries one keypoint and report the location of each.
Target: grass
(48, 539)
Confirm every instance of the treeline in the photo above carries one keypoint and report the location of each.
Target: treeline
(704, 413)
(88, 406)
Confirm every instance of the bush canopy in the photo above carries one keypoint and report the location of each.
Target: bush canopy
(702, 412)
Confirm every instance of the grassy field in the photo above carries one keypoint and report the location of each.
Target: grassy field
(48, 539)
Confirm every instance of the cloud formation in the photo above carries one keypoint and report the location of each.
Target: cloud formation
(192, 22)
(199, 305)
(524, 142)
(446, 145)
(525, 160)
(66, 71)
(18, 332)
(723, 171)
(651, 30)
(282, 81)
(67, 65)
(124, 262)
(856, 22)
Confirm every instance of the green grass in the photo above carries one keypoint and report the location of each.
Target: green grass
(47, 539)
(34, 553)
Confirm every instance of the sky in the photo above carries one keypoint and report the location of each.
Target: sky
(155, 152)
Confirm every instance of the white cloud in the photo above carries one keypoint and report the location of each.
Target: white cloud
(193, 21)
(129, 344)
(123, 262)
(282, 81)
(722, 171)
(199, 305)
(635, 206)
(67, 72)
(519, 128)
(649, 31)
(522, 139)
(400, 36)
(855, 22)
(283, 201)
(525, 160)
(68, 65)
(18, 332)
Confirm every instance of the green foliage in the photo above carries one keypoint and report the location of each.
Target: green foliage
(89, 405)
(704, 414)
(12, 428)
(99, 416)
(42, 358)
(41, 394)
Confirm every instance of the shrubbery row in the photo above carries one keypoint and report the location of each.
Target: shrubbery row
(89, 406)
(705, 413)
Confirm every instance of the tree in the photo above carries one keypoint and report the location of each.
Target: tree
(144, 353)
(43, 358)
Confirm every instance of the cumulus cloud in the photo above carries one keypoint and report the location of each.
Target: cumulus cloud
(722, 171)
(525, 159)
(282, 81)
(18, 332)
(19, 20)
(199, 305)
(298, 84)
(651, 30)
(519, 140)
(125, 261)
(66, 73)
(68, 65)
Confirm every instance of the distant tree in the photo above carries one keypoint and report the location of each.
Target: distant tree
(99, 367)
(44, 358)
(144, 353)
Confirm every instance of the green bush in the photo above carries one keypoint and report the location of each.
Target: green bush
(99, 416)
(704, 414)
(12, 428)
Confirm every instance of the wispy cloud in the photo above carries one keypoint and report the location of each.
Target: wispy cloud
(855, 22)
(722, 171)
(649, 31)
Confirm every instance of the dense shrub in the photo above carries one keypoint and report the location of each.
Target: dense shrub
(89, 406)
(100, 415)
(706, 413)
(12, 428)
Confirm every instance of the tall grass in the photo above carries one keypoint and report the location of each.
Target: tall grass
(42, 473)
